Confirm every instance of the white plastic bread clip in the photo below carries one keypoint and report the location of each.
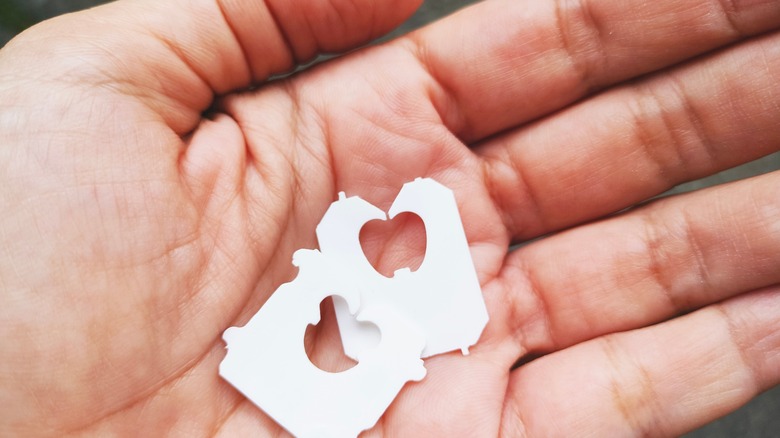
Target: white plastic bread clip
(443, 297)
(267, 361)
(436, 309)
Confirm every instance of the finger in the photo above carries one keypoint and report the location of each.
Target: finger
(643, 267)
(175, 54)
(503, 63)
(635, 142)
(657, 381)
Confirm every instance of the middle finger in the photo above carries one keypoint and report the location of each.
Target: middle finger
(634, 142)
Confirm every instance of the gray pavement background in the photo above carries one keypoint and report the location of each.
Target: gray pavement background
(759, 418)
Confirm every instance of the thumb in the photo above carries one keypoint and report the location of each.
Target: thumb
(176, 54)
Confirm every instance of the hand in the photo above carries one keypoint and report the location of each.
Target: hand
(151, 200)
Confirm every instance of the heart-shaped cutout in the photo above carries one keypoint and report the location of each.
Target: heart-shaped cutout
(392, 245)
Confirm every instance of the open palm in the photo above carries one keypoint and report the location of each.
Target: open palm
(151, 198)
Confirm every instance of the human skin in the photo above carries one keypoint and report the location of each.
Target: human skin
(154, 185)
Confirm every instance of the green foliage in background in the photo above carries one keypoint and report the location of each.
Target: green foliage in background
(14, 18)
(18, 15)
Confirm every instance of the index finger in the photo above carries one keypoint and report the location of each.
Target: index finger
(505, 62)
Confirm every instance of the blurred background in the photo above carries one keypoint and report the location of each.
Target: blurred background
(759, 418)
